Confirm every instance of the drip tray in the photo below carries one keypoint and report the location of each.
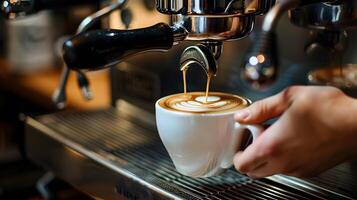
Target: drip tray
(111, 155)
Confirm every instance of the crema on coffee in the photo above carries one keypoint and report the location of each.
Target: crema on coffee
(196, 102)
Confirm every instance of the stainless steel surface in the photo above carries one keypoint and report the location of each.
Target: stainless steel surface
(200, 28)
(329, 22)
(273, 16)
(260, 66)
(216, 48)
(332, 16)
(333, 42)
(326, 16)
(200, 55)
(59, 96)
(214, 7)
(111, 154)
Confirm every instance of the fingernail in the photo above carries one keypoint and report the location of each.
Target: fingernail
(243, 114)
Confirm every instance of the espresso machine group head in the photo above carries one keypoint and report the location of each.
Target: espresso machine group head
(207, 21)
(210, 23)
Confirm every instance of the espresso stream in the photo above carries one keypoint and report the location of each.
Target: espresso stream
(202, 102)
(209, 77)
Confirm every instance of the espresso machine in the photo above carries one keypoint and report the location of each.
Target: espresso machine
(117, 154)
(328, 33)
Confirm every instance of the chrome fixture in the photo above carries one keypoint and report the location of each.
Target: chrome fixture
(201, 21)
(328, 23)
(260, 66)
(206, 22)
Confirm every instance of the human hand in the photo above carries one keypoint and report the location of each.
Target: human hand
(317, 130)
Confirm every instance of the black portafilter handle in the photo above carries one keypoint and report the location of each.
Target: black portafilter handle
(103, 48)
(13, 8)
(260, 66)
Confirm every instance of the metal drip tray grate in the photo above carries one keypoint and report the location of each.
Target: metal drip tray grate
(135, 148)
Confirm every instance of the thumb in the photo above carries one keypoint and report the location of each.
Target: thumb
(268, 108)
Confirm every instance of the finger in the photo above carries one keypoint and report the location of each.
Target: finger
(247, 160)
(262, 150)
(272, 149)
(268, 108)
(262, 171)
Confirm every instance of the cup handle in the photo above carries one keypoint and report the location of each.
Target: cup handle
(255, 129)
(236, 140)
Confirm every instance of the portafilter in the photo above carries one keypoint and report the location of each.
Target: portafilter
(204, 21)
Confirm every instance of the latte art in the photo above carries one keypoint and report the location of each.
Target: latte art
(196, 102)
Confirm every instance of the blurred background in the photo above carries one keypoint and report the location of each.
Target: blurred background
(30, 69)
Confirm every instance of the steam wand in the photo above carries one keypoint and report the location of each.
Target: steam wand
(59, 96)
(260, 65)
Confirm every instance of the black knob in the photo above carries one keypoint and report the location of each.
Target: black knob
(103, 48)
(260, 65)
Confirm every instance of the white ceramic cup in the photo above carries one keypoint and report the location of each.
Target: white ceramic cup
(201, 145)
